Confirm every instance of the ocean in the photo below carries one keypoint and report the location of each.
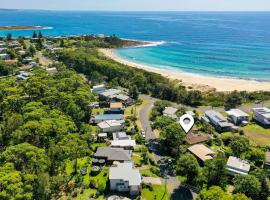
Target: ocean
(220, 44)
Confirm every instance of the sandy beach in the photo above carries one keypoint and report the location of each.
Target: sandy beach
(202, 83)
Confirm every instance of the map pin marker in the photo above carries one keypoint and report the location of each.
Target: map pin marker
(186, 121)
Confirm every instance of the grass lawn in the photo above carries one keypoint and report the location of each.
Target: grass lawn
(87, 193)
(96, 111)
(136, 158)
(148, 173)
(182, 179)
(257, 134)
(101, 178)
(158, 193)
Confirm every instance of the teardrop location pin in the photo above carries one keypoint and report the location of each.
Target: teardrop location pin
(186, 121)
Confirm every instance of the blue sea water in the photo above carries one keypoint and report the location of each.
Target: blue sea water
(224, 44)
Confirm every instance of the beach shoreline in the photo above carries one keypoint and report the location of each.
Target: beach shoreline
(194, 81)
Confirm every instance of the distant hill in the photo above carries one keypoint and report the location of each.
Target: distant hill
(5, 9)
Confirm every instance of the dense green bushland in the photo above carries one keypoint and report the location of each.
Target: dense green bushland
(43, 125)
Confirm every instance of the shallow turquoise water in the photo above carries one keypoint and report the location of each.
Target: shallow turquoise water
(229, 44)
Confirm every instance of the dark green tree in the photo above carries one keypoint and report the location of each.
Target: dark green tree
(248, 185)
(34, 35)
(233, 100)
(187, 165)
(215, 171)
(239, 145)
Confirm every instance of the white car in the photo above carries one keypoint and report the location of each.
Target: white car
(143, 133)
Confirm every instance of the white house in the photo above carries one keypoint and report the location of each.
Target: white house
(126, 144)
(123, 178)
(170, 112)
(237, 116)
(262, 115)
(4, 56)
(121, 136)
(237, 166)
(98, 88)
(110, 126)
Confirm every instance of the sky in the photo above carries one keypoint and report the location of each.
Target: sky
(140, 5)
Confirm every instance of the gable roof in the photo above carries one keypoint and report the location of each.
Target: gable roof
(202, 152)
(238, 165)
(237, 113)
(195, 138)
(118, 154)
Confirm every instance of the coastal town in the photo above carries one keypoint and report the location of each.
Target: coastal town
(75, 134)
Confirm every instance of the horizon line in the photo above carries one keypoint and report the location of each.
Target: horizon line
(105, 10)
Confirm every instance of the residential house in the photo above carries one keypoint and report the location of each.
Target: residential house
(2, 49)
(4, 56)
(126, 144)
(14, 44)
(109, 94)
(27, 60)
(201, 152)
(170, 112)
(2, 44)
(126, 100)
(196, 138)
(113, 154)
(110, 126)
(105, 117)
(23, 76)
(267, 160)
(51, 70)
(238, 117)
(22, 52)
(237, 166)
(121, 136)
(99, 89)
(217, 120)
(116, 108)
(124, 178)
(262, 115)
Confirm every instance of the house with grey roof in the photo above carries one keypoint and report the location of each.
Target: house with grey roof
(113, 154)
(126, 100)
(262, 115)
(237, 166)
(124, 178)
(217, 120)
(170, 112)
(121, 136)
(237, 116)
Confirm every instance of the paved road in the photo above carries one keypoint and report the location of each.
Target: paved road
(143, 117)
(172, 182)
(43, 60)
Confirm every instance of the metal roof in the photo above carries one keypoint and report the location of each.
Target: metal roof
(125, 171)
